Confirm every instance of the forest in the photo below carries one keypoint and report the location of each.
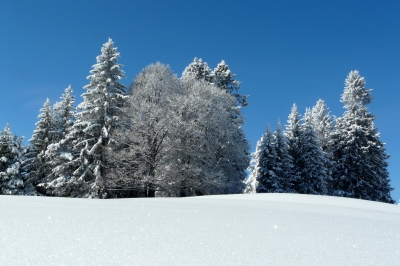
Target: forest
(170, 136)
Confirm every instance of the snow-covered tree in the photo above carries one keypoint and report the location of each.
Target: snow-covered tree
(323, 127)
(311, 161)
(271, 165)
(255, 167)
(36, 165)
(98, 116)
(197, 70)
(222, 77)
(268, 181)
(64, 114)
(284, 164)
(178, 139)
(359, 154)
(60, 153)
(210, 154)
(292, 134)
(322, 123)
(141, 146)
(11, 157)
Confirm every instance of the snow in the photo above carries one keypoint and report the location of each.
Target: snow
(252, 229)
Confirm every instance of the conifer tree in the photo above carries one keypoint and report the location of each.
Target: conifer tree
(323, 127)
(359, 154)
(292, 134)
(311, 161)
(284, 164)
(268, 181)
(36, 165)
(60, 153)
(197, 70)
(64, 114)
(11, 157)
(222, 77)
(98, 116)
(255, 167)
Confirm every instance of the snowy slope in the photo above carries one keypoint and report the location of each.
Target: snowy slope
(262, 229)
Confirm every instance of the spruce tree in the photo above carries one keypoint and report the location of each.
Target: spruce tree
(359, 154)
(222, 77)
(323, 127)
(99, 115)
(36, 165)
(268, 181)
(60, 153)
(284, 162)
(311, 161)
(255, 167)
(11, 157)
(292, 135)
(197, 70)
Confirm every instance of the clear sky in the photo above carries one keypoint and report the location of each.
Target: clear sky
(283, 52)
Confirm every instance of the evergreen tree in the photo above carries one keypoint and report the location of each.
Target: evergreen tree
(64, 114)
(311, 161)
(284, 162)
(99, 115)
(197, 70)
(255, 167)
(292, 135)
(322, 124)
(323, 127)
(224, 79)
(60, 153)
(360, 157)
(11, 157)
(36, 165)
(268, 181)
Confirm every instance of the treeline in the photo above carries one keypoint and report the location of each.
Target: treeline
(163, 136)
(320, 155)
(170, 136)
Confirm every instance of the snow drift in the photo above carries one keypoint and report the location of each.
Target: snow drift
(260, 229)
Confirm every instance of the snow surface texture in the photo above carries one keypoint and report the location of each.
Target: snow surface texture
(255, 229)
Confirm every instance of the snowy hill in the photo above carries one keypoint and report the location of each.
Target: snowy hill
(262, 229)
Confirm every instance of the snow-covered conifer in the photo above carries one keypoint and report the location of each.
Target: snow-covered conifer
(255, 167)
(268, 181)
(36, 165)
(197, 70)
(64, 114)
(11, 157)
(98, 116)
(292, 134)
(311, 161)
(360, 157)
(322, 123)
(222, 77)
(284, 164)
(323, 127)
(60, 153)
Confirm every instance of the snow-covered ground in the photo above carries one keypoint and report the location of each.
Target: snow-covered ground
(262, 229)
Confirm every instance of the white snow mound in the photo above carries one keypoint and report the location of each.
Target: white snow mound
(258, 229)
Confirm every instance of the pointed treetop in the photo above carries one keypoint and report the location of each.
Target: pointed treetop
(355, 95)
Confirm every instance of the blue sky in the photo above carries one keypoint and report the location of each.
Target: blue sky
(283, 52)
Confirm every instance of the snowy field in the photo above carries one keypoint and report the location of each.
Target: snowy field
(263, 229)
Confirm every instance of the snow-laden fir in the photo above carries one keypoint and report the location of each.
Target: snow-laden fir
(255, 229)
